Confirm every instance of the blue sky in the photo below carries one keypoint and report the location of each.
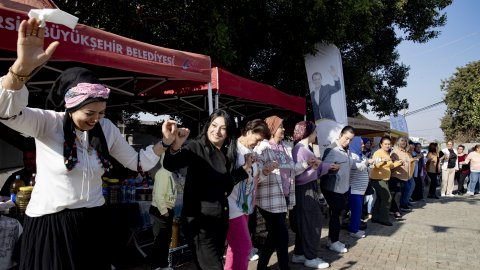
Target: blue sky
(437, 60)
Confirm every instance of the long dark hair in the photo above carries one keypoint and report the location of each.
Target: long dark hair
(432, 148)
(229, 147)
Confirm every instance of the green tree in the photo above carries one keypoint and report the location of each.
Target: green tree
(266, 40)
(462, 96)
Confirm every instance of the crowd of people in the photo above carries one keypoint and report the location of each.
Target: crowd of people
(231, 173)
(288, 182)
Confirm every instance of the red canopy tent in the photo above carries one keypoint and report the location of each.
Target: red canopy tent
(226, 83)
(142, 76)
(243, 97)
(123, 64)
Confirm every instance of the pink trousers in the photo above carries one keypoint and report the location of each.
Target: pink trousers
(239, 244)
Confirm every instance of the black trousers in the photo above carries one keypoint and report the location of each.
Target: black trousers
(206, 237)
(460, 177)
(277, 240)
(395, 186)
(306, 220)
(336, 203)
(418, 191)
(162, 230)
(252, 226)
(432, 190)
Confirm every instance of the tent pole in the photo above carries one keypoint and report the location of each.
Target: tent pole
(216, 100)
(210, 99)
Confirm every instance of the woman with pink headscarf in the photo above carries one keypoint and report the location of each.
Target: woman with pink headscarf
(305, 216)
(65, 223)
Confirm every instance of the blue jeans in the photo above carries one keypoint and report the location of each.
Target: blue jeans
(406, 192)
(355, 203)
(474, 178)
(412, 187)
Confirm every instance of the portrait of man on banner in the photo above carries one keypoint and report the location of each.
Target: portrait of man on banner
(327, 92)
(325, 78)
(321, 95)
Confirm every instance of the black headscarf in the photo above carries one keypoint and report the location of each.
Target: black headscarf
(96, 139)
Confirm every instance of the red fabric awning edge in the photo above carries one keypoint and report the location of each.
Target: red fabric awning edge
(93, 46)
(233, 85)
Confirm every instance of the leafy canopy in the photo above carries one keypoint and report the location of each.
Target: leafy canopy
(266, 40)
(462, 96)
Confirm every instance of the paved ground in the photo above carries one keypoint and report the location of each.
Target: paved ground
(438, 234)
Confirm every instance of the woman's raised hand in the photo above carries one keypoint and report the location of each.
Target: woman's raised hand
(180, 137)
(169, 130)
(30, 51)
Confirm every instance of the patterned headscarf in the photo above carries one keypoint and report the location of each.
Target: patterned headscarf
(302, 130)
(83, 91)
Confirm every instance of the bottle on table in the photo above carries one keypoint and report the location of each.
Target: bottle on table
(23, 198)
(15, 187)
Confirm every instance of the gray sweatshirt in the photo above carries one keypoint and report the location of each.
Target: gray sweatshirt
(344, 160)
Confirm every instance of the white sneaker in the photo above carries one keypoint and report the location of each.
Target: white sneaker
(253, 255)
(316, 263)
(470, 193)
(450, 195)
(359, 234)
(166, 268)
(298, 258)
(329, 243)
(338, 247)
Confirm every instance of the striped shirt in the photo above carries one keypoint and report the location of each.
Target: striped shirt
(358, 176)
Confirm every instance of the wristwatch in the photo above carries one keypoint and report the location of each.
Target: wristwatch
(164, 145)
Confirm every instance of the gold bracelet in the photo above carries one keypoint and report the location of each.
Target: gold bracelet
(174, 152)
(18, 77)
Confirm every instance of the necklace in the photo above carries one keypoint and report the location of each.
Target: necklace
(84, 145)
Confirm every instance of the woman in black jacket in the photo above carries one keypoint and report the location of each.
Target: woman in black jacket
(211, 175)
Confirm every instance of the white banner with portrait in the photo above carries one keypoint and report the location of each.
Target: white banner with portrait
(327, 92)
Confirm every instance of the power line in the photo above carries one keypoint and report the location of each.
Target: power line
(424, 108)
(417, 111)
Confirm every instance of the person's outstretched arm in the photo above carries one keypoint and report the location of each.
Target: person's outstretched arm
(30, 54)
